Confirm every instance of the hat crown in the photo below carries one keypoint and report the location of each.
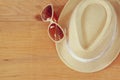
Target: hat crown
(91, 28)
(92, 23)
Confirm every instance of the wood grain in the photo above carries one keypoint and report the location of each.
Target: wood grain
(24, 10)
(26, 52)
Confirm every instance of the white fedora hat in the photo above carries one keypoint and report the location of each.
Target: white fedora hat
(92, 38)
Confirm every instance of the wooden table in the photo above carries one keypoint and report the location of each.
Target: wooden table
(26, 52)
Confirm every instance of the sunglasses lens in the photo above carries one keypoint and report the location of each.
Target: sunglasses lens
(55, 32)
(47, 13)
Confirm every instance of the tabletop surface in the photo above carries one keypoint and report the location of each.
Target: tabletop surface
(27, 53)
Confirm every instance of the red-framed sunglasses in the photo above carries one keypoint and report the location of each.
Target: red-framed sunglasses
(55, 31)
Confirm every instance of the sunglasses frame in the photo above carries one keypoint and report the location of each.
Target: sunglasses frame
(52, 22)
(61, 30)
(51, 14)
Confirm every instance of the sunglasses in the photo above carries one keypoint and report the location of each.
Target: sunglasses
(55, 31)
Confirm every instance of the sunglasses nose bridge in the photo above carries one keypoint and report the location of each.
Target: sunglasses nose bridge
(51, 21)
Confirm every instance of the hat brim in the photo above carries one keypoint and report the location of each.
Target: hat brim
(93, 66)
